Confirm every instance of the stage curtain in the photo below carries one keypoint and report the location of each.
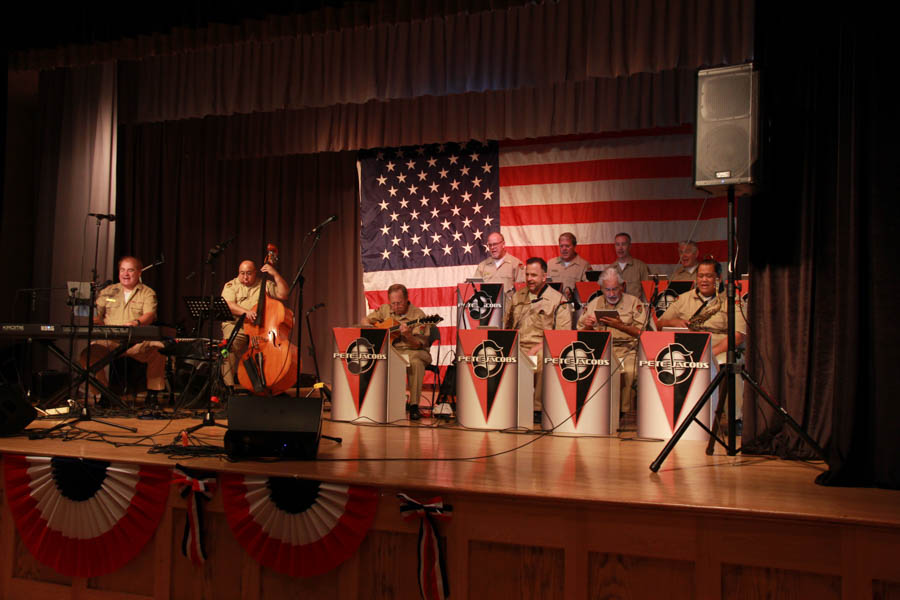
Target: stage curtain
(76, 175)
(641, 101)
(260, 67)
(177, 199)
(822, 318)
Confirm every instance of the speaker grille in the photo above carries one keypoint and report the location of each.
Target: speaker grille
(725, 97)
(726, 138)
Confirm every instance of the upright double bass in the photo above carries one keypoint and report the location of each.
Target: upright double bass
(269, 366)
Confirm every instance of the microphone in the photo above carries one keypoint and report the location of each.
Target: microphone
(318, 227)
(103, 285)
(315, 308)
(101, 216)
(218, 249)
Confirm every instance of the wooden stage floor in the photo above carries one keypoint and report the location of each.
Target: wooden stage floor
(731, 523)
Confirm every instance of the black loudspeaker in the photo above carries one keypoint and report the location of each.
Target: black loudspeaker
(727, 137)
(277, 426)
(15, 412)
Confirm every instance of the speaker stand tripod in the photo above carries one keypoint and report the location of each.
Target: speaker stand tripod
(728, 371)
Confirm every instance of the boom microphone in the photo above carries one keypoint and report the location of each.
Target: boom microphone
(318, 227)
(101, 216)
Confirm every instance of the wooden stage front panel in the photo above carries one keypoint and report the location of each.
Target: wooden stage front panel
(559, 517)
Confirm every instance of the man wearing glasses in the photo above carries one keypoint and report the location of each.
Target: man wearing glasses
(501, 267)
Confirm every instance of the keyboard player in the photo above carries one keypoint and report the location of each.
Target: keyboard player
(130, 303)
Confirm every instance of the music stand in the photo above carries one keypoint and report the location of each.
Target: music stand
(215, 310)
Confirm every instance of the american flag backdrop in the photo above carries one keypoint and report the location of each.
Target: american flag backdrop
(426, 211)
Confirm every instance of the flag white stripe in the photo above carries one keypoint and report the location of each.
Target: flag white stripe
(584, 192)
(600, 149)
(418, 278)
(601, 233)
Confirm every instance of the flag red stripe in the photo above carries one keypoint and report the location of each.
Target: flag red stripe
(654, 253)
(598, 170)
(620, 210)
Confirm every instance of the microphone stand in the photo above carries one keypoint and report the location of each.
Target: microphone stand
(84, 413)
(326, 393)
(298, 282)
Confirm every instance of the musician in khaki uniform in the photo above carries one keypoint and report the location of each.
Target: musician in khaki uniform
(687, 262)
(633, 270)
(625, 329)
(242, 294)
(412, 342)
(534, 308)
(702, 309)
(501, 267)
(129, 303)
(568, 268)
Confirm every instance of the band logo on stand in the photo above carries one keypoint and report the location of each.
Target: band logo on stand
(486, 354)
(360, 356)
(479, 305)
(677, 357)
(364, 350)
(581, 365)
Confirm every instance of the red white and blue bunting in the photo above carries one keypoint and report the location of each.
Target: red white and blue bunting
(196, 487)
(299, 527)
(432, 572)
(84, 518)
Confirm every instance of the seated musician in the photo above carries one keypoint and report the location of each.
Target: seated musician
(625, 329)
(412, 342)
(687, 262)
(534, 308)
(500, 267)
(703, 309)
(133, 304)
(241, 294)
(568, 268)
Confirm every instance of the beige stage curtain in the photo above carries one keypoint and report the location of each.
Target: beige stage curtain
(537, 47)
(77, 177)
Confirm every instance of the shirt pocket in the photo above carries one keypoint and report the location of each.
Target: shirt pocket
(136, 308)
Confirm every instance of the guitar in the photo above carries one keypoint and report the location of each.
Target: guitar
(394, 326)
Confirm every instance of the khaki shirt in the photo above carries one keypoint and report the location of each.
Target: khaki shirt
(508, 273)
(531, 319)
(634, 273)
(688, 303)
(245, 297)
(631, 312)
(413, 313)
(568, 275)
(112, 308)
(682, 274)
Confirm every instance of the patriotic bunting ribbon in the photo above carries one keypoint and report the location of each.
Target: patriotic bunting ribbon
(81, 517)
(432, 572)
(196, 487)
